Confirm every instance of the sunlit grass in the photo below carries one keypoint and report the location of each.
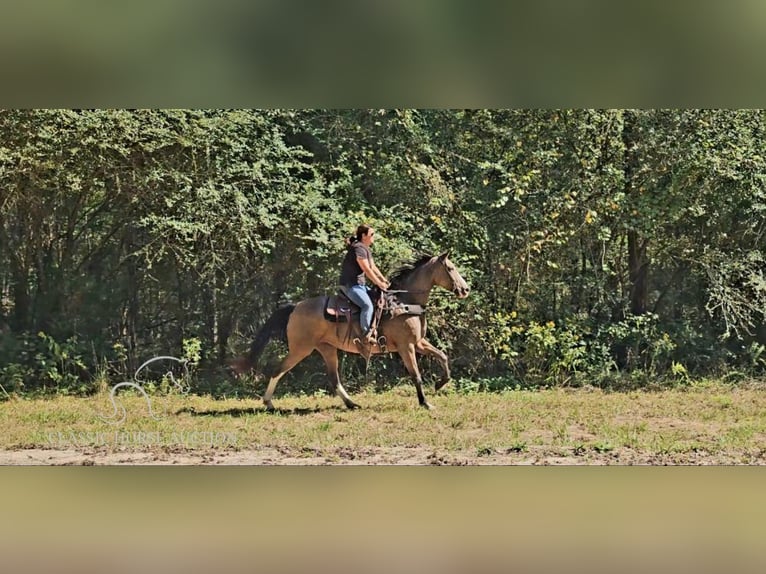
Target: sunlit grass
(718, 420)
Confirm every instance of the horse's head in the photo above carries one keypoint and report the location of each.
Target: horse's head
(449, 277)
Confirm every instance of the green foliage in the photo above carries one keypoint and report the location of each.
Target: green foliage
(542, 354)
(39, 363)
(679, 373)
(579, 352)
(192, 351)
(756, 357)
(597, 242)
(638, 344)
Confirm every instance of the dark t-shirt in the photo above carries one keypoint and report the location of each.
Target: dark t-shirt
(350, 272)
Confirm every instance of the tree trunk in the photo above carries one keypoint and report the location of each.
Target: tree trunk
(132, 310)
(638, 267)
(21, 298)
(638, 264)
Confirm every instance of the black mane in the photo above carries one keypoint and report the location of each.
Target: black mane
(400, 275)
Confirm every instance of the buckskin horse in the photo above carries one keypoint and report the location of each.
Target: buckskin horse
(306, 327)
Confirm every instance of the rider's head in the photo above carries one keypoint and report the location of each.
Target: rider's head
(365, 234)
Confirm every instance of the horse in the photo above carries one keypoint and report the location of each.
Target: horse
(306, 328)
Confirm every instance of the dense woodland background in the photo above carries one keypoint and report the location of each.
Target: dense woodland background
(601, 245)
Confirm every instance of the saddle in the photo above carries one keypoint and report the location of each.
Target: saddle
(340, 309)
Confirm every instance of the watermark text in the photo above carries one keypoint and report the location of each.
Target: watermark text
(117, 438)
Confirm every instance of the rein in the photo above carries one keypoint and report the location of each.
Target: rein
(434, 293)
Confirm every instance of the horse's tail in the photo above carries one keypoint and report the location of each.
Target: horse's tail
(275, 327)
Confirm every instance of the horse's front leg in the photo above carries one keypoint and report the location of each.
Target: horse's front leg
(425, 348)
(411, 363)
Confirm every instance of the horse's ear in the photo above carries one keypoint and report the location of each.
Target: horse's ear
(444, 255)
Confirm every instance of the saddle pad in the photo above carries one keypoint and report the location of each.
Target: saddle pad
(340, 305)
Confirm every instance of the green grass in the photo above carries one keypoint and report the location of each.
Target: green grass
(724, 422)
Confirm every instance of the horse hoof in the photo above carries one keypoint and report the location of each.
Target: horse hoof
(269, 406)
(352, 406)
(427, 406)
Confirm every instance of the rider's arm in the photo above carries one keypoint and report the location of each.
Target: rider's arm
(379, 273)
(372, 272)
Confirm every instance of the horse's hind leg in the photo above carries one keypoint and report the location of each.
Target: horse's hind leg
(330, 356)
(294, 357)
(411, 363)
(426, 348)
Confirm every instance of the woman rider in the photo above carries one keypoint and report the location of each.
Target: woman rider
(357, 266)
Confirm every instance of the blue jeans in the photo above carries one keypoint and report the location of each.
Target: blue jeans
(359, 295)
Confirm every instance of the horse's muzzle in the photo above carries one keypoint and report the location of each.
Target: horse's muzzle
(462, 292)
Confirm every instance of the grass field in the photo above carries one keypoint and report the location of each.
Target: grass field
(704, 423)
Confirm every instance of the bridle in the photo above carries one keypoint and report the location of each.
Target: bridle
(455, 289)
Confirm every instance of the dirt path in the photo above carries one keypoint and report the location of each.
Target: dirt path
(368, 456)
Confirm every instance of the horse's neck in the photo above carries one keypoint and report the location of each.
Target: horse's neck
(418, 286)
